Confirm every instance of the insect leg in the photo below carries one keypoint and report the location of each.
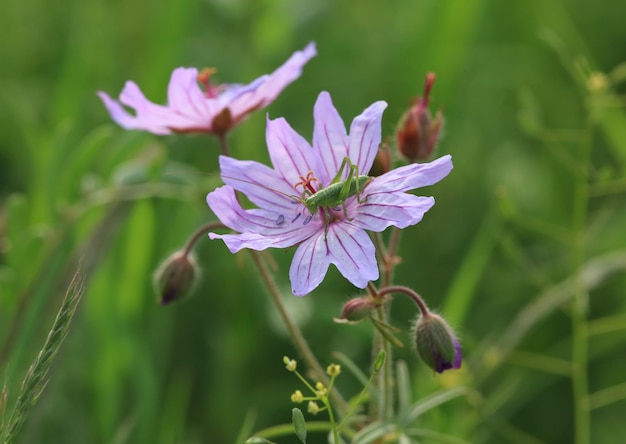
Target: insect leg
(327, 221)
(346, 161)
(353, 174)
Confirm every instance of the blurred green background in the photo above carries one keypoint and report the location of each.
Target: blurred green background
(500, 254)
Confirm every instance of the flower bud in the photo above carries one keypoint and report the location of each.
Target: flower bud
(417, 132)
(175, 278)
(436, 343)
(355, 310)
(313, 408)
(382, 161)
(333, 370)
(290, 364)
(297, 397)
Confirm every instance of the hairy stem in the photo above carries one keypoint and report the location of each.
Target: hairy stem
(294, 332)
(199, 233)
(385, 378)
(410, 293)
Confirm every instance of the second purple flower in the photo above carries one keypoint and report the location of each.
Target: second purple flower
(215, 110)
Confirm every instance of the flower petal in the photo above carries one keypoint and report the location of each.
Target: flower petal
(309, 265)
(119, 114)
(346, 246)
(329, 137)
(260, 228)
(186, 98)
(365, 136)
(353, 253)
(150, 116)
(291, 154)
(382, 210)
(261, 184)
(274, 84)
(412, 176)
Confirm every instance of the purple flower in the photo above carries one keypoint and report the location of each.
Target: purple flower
(214, 110)
(280, 221)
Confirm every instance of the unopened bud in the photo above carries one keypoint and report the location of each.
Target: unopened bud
(320, 390)
(175, 278)
(313, 408)
(355, 310)
(417, 132)
(297, 397)
(382, 161)
(436, 343)
(333, 370)
(290, 364)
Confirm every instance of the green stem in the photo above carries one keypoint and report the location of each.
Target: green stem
(385, 380)
(580, 346)
(333, 424)
(294, 332)
(394, 243)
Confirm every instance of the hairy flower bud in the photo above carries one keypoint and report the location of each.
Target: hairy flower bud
(355, 310)
(175, 278)
(417, 132)
(436, 343)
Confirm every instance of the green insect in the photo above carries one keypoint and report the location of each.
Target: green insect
(335, 194)
(331, 197)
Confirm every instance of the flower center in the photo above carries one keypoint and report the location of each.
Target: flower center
(204, 76)
(307, 184)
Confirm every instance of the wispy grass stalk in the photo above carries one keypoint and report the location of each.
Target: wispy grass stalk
(37, 375)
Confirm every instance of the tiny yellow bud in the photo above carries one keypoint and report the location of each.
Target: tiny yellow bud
(290, 364)
(313, 408)
(597, 82)
(320, 390)
(297, 397)
(333, 370)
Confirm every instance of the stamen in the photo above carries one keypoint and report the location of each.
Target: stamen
(307, 220)
(306, 183)
(203, 77)
(280, 220)
(296, 218)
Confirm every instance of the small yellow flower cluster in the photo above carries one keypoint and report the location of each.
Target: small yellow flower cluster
(320, 390)
(333, 370)
(290, 364)
(313, 408)
(297, 397)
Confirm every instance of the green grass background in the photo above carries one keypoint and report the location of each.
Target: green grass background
(494, 255)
